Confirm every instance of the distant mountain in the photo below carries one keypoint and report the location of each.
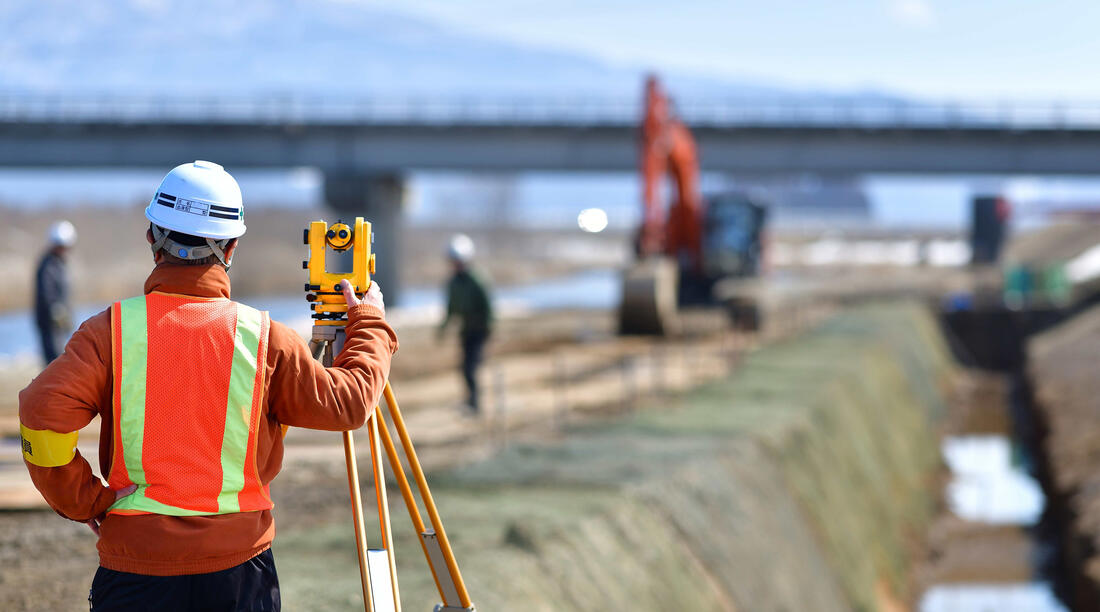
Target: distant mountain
(271, 47)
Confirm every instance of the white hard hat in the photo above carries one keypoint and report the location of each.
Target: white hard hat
(200, 199)
(461, 248)
(63, 234)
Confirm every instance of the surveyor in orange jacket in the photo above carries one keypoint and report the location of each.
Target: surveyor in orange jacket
(192, 390)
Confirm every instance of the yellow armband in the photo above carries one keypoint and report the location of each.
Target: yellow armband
(46, 448)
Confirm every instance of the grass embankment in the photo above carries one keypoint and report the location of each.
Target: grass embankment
(798, 483)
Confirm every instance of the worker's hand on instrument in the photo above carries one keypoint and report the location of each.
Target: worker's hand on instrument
(372, 297)
(349, 293)
(119, 494)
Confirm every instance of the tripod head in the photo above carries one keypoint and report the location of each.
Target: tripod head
(323, 288)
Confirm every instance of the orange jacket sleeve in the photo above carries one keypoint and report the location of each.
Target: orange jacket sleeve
(303, 393)
(64, 398)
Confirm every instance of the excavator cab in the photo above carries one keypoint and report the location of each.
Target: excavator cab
(733, 230)
(731, 246)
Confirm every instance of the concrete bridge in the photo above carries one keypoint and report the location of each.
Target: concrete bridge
(365, 146)
(391, 136)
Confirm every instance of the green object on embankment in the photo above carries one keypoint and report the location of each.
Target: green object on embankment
(798, 483)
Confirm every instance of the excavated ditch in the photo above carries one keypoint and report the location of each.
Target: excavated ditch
(1013, 517)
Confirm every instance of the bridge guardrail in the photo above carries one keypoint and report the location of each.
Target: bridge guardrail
(21, 107)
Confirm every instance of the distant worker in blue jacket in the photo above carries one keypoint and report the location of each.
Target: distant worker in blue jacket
(53, 314)
(468, 299)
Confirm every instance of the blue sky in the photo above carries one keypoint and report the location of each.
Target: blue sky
(936, 48)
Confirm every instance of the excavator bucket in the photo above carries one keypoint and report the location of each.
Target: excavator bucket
(648, 305)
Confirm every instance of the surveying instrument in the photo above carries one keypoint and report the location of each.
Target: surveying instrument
(377, 569)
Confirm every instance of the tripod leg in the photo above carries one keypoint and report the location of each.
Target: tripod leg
(322, 349)
(383, 505)
(406, 491)
(357, 517)
(426, 495)
(317, 348)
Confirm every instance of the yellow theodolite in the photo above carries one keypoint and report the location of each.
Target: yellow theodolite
(377, 569)
(323, 288)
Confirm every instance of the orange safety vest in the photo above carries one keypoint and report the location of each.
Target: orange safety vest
(188, 391)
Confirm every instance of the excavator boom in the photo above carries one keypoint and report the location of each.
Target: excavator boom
(669, 234)
(667, 148)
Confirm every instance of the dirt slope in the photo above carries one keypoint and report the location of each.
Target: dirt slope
(797, 484)
(1063, 366)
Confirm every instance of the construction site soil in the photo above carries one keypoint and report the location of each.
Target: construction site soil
(799, 481)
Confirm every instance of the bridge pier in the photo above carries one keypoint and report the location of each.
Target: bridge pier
(378, 198)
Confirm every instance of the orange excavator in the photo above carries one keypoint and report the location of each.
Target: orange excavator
(684, 251)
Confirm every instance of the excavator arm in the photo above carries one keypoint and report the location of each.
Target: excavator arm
(667, 148)
(670, 235)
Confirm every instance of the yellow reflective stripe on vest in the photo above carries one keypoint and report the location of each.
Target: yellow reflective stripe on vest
(135, 352)
(238, 409)
(46, 448)
(139, 503)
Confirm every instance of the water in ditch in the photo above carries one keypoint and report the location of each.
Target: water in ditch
(988, 554)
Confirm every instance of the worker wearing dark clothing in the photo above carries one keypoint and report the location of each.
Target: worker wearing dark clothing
(52, 310)
(468, 299)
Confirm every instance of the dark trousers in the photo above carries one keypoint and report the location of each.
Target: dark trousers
(252, 586)
(473, 344)
(51, 340)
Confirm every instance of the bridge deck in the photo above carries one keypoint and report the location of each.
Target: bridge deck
(393, 136)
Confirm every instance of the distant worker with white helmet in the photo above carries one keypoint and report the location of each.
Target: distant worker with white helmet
(468, 299)
(52, 306)
(194, 392)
